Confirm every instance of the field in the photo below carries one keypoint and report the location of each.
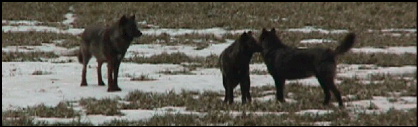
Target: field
(170, 75)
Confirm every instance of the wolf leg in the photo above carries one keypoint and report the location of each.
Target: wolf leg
(245, 89)
(225, 83)
(115, 74)
(325, 83)
(279, 82)
(110, 71)
(99, 73)
(232, 83)
(86, 58)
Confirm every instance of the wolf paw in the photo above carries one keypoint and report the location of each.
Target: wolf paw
(101, 84)
(110, 89)
(83, 84)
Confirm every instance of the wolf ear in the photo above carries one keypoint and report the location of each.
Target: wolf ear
(273, 30)
(264, 30)
(133, 17)
(250, 32)
(244, 34)
(122, 20)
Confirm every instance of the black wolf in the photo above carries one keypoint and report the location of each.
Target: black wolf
(107, 44)
(234, 64)
(285, 62)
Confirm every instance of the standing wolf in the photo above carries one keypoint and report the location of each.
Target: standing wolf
(107, 44)
(235, 65)
(285, 62)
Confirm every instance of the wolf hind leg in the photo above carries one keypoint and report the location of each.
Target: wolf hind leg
(85, 60)
(245, 89)
(99, 73)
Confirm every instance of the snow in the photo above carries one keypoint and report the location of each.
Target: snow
(396, 30)
(30, 28)
(361, 74)
(22, 22)
(129, 115)
(394, 50)
(63, 83)
(157, 31)
(45, 47)
(316, 41)
(383, 104)
(322, 123)
(264, 98)
(314, 112)
(147, 50)
(399, 30)
(409, 99)
(69, 17)
(309, 29)
(152, 31)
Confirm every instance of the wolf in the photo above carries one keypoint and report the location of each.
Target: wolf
(107, 44)
(234, 65)
(285, 62)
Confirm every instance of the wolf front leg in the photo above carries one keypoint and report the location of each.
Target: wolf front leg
(116, 71)
(110, 72)
(280, 84)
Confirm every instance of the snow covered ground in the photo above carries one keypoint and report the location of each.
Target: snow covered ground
(147, 50)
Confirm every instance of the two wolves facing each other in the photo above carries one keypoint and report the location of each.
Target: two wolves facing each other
(283, 62)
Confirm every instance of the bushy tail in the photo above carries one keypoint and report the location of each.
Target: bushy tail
(345, 44)
(80, 57)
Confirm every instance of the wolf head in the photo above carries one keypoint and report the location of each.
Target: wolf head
(249, 42)
(128, 27)
(269, 39)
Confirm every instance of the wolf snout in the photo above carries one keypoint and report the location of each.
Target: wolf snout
(139, 33)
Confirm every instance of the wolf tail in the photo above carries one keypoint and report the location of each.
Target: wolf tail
(80, 57)
(345, 44)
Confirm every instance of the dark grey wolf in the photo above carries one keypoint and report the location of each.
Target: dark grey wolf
(234, 64)
(285, 62)
(107, 44)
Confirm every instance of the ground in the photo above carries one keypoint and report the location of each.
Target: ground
(170, 75)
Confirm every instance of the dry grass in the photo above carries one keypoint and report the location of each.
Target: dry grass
(105, 106)
(339, 117)
(39, 11)
(176, 58)
(390, 118)
(236, 15)
(149, 100)
(40, 72)
(140, 78)
(363, 39)
(186, 39)
(28, 121)
(37, 38)
(25, 57)
(211, 119)
(62, 110)
(185, 71)
(380, 59)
